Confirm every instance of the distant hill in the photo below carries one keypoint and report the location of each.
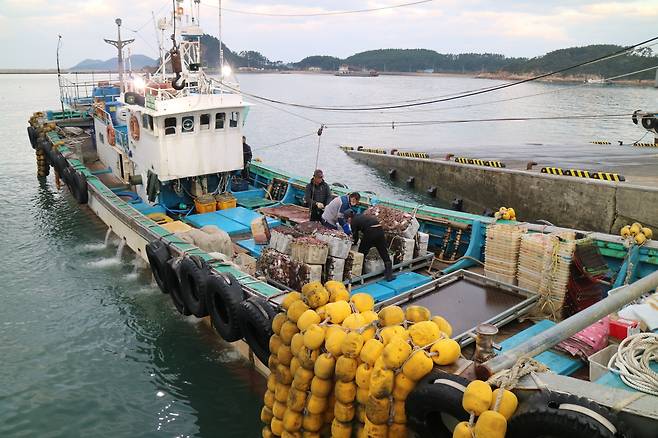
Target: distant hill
(138, 62)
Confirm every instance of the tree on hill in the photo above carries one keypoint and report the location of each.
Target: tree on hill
(323, 62)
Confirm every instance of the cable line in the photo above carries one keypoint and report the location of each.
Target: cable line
(445, 99)
(318, 14)
(285, 141)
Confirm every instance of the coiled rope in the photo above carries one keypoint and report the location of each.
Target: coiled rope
(632, 362)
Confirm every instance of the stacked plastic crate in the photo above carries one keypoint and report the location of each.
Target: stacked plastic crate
(501, 252)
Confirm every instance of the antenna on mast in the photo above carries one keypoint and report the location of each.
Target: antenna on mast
(59, 73)
(119, 44)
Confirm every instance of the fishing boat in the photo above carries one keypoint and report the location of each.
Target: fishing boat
(159, 160)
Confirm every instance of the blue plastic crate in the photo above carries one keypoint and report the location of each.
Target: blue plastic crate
(405, 282)
(250, 245)
(245, 216)
(221, 222)
(378, 291)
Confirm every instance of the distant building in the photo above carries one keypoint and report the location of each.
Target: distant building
(314, 69)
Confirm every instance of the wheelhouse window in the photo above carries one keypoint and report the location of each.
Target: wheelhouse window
(233, 122)
(187, 123)
(170, 126)
(204, 121)
(220, 120)
(147, 122)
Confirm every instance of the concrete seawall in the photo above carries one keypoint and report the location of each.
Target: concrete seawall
(564, 201)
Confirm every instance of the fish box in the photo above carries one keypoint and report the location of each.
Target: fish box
(225, 201)
(309, 250)
(334, 268)
(246, 263)
(260, 230)
(339, 243)
(422, 243)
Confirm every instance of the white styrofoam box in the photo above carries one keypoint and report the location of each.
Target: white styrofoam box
(246, 263)
(284, 244)
(408, 250)
(315, 273)
(337, 247)
(274, 240)
(335, 268)
(311, 254)
(373, 265)
(412, 229)
(423, 242)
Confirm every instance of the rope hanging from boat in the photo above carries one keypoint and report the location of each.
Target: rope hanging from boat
(632, 362)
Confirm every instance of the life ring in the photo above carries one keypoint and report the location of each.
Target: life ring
(173, 285)
(33, 136)
(648, 122)
(134, 127)
(111, 135)
(565, 415)
(193, 277)
(256, 325)
(434, 407)
(224, 295)
(158, 255)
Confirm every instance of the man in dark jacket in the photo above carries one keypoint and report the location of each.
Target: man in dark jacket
(317, 195)
(372, 235)
(246, 157)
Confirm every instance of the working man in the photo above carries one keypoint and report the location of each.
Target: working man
(317, 195)
(246, 157)
(334, 211)
(373, 235)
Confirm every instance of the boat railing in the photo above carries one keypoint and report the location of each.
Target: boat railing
(164, 91)
(99, 112)
(77, 93)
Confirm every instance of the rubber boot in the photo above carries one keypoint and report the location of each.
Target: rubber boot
(388, 271)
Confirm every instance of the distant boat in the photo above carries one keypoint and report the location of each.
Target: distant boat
(344, 70)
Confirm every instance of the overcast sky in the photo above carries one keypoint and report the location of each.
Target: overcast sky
(29, 28)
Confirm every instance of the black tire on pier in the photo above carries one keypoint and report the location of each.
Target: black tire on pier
(256, 316)
(193, 275)
(33, 136)
(158, 255)
(434, 407)
(173, 286)
(224, 295)
(551, 414)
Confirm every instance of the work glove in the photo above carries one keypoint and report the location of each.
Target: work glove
(347, 229)
(320, 205)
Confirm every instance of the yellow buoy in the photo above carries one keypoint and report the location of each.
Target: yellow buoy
(316, 405)
(403, 386)
(275, 343)
(381, 382)
(283, 374)
(337, 291)
(395, 353)
(324, 366)
(647, 232)
(508, 403)
(277, 322)
(371, 350)
(362, 302)
(640, 238)
(417, 314)
(279, 409)
(424, 333)
(345, 392)
(288, 330)
(296, 343)
(372, 430)
(477, 397)
(314, 336)
(337, 311)
(448, 351)
(284, 355)
(292, 421)
(308, 318)
(462, 430)
(346, 368)
(391, 315)
(290, 298)
(268, 399)
(266, 415)
(377, 409)
(315, 295)
(312, 422)
(296, 400)
(352, 344)
(302, 379)
(635, 229)
(363, 373)
(443, 325)
(307, 357)
(625, 231)
(388, 333)
(340, 430)
(281, 392)
(344, 412)
(418, 365)
(321, 388)
(354, 321)
(334, 340)
(277, 426)
(296, 309)
(490, 424)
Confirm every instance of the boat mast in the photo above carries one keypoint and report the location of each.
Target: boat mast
(59, 73)
(221, 49)
(119, 44)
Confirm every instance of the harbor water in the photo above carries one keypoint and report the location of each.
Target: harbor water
(89, 345)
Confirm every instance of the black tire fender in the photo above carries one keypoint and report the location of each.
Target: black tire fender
(158, 255)
(224, 295)
(81, 192)
(193, 275)
(60, 163)
(33, 136)
(256, 316)
(648, 122)
(565, 415)
(173, 285)
(434, 407)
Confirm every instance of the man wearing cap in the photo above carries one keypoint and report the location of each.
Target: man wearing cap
(317, 195)
(372, 235)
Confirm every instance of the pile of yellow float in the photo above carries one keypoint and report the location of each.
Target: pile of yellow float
(506, 213)
(637, 233)
(338, 368)
(492, 409)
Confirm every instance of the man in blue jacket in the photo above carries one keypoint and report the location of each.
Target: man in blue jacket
(333, 216)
